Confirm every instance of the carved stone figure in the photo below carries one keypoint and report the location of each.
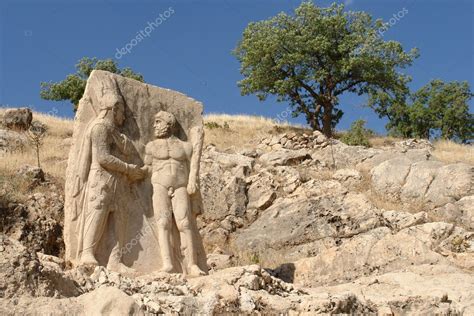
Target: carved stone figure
(100, 180)
(109, 214)
(174, 165)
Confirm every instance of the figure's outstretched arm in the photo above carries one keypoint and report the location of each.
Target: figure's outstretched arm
(148, 158)
(105, 158)
(197, 138)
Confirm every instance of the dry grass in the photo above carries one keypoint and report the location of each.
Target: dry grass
(383, 141)
(444, 150)
(243, 131)
(448, 151)
(53, 153)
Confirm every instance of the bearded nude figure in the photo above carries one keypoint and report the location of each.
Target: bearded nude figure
(174, 177)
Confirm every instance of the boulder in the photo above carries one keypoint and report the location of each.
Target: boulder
(284, 157)
(218, 261)
(389, 177)
(460, 213)
(261, 193)
(420, 177)
(379, 251)
(415, 144)
(23, 274)
(11, 141)
(430, 183)
(293, 228)
(109, 301)
(32, 173)
(349, 177)
(228, 160)
(451, 183)
(396, 220)
(18, 119)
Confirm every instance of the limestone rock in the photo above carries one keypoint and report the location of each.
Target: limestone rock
(217, 261)
(451, 183)
(398, 220)
(22, 273)
(418, 180)
(37, 223)
(32, 173)
(109, 301)
(11, 141)
(389, 177)
(18, 119)
(285, 157)
(375, 252)
(229, 160)
(378, 156)
(308, 224)
(415, 144)
(428, 182)
(425, 289)
(459, 213)
(350, 177)
(261, 193)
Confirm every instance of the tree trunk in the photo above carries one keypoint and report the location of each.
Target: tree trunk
(327, 120)
(38, 155)
(314, 123)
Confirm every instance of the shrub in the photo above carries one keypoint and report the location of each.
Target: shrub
(212, 125)
(357, 135)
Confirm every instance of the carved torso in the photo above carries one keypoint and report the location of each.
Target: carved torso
(170, 160)
(109, 149)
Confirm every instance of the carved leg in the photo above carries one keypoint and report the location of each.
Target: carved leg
(120, 229)
(182, 213)
(93, 230)
(162, 207)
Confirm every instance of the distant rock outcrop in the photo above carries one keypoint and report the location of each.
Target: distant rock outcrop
(18, 119)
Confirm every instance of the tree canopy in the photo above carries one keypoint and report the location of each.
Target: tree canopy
(72, 88)
(311, 58)
(438, 109)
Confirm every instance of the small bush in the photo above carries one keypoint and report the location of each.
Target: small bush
(212, 125)
(357, 135)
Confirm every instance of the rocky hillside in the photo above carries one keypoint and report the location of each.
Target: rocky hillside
(293, 223)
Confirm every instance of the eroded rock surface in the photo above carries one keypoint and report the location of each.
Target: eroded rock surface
(329, 228)
(18, 119)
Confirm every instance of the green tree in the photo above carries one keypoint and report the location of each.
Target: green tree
(357, 135)
(72, 88)
(437, 109)
(311, 58)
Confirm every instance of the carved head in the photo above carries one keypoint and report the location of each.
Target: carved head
(113, 107)
(164, 124)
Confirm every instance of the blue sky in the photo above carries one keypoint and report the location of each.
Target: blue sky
(190, 51)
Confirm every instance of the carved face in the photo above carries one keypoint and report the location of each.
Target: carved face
(162, 127)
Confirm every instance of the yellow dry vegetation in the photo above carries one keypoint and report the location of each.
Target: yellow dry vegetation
(53, 152)
(243, 131)
(451, 152)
